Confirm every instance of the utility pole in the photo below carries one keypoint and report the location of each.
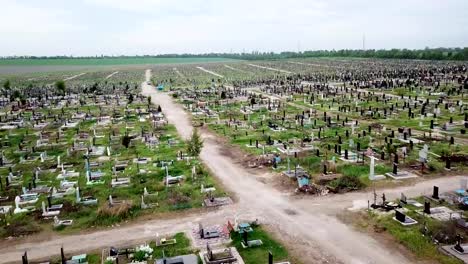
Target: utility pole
(363, 42)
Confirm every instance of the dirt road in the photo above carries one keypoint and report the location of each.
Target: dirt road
(210, 72)
(307, 225)
(326, 239)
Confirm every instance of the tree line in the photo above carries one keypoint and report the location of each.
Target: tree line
(459, 54)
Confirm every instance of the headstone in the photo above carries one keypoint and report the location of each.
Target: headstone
(435, 192)
(371, 168)
(400, 216)
(427, 207)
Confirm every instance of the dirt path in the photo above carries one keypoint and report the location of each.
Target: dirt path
(271, 69)
(74, 76)
(309, 64)
(317, 234)
(112, 74)
(210, 72)
(232, 68)
(308, 225)
(178, 73)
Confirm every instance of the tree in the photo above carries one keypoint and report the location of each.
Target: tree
(194, 144)
(60, 85)
(7, 85)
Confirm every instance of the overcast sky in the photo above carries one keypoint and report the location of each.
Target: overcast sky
(135, 27)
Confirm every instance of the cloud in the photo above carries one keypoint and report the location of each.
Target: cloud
(18, 18)
(89, 27)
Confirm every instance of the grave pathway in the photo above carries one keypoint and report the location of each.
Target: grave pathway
(271, 69)
(320, 237)
(112, 74)
(232, 68)
(74, 76)
(308, 225)
(178, 72)
(309, 64)
(210, 72)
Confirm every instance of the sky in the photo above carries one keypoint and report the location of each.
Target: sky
(138, 27)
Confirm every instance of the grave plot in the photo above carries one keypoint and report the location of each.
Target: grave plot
(239, 243)
(63, 257)
(255, 245)
(93, 154)
(332, 124)
(174, 248)
(163, 249)
(424, 224)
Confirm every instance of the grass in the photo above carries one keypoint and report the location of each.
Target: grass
(106, 61)
(411, 237)
(260, 254)
(182, 247)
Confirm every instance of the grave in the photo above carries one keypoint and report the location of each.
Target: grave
(404, 219)
(219, 256)
(372, 175)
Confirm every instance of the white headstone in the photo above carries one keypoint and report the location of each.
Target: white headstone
(17, 202)
(423, 153)
(371, 168)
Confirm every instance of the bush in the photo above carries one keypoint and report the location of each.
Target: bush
(21, 227)
(348, 182)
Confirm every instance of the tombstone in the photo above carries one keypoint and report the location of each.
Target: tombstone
(270, 257)
(452, 140)
(458, 246)
(245, 236)
(400, 216)
(423, 153)
(403, 198)
(395, 169)
(427, 207)
(435, 192)
(371, 168)
(25, 258)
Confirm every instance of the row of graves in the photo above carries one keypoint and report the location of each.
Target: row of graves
(85, 160)
(387, 121)
(300, 143)
(335, 104)
(210, 244)
(440, 218)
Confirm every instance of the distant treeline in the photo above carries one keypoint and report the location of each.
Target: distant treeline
(459, 54)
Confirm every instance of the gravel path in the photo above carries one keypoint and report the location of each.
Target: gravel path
(308, 225)
(210, 72)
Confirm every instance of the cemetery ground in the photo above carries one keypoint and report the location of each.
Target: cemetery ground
(276, 132)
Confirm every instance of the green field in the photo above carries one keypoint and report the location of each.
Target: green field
(106, 61)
